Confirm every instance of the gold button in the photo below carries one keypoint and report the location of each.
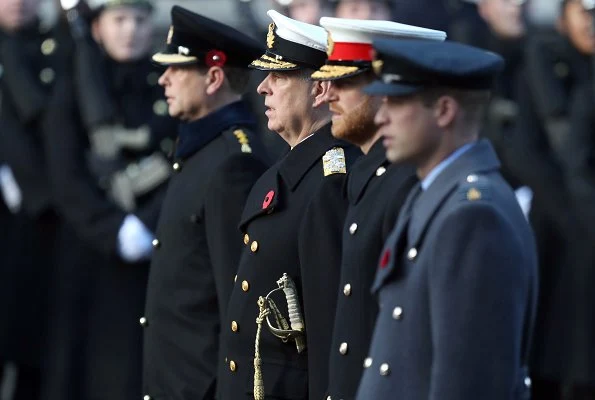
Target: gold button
(384, 369)
(232, 366)
(245, 286)
(368, 362)
(177, 166)
(347, 289)
(397, 313)
(143, 322)
(412, 253)
(234, 326)
(235, 278)
(156, 243)
(246, 239)
(47, 75)
(343, 348)
(160, 107)
(380, 171)
(153, 78)
(48, 46)
(254, 246)
(353, 228)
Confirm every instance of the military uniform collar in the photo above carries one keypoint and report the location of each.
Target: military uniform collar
(193, 136)
(301, 158)
(480, 158)
(364, 170)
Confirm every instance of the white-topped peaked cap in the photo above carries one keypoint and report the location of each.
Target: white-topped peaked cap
(292, 45)
(350, 43)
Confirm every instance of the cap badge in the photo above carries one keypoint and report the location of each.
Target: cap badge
(170, 35)
(271, 36)
(183, 50)
(377, 66)
(330, 44)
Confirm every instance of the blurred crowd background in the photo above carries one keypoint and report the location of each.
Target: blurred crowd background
(71, 297)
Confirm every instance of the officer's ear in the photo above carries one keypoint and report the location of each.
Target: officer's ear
(446, 111)
(320, 91)
(215, 78)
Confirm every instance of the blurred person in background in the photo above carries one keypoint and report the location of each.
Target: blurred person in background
(551, 158)
(506, 36)
(31, 54)
(364, 9)
(107, 133)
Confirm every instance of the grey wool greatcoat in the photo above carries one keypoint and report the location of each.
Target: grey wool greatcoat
(456, 286)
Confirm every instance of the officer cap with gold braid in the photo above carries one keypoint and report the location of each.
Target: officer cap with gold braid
(292, 45)
(350, 44)
(195, 39)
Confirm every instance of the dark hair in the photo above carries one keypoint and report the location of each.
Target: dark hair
(237, 77)
(473, 102)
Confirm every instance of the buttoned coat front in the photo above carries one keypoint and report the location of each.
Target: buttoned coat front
(292, 224)
(456, 286)
(376, 191)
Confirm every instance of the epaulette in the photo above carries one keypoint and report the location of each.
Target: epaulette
(474, 188)
(243, 140)
(333, 161)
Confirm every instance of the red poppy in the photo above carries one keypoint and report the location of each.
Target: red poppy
(385, 259)
(215, 58)
(268, 199)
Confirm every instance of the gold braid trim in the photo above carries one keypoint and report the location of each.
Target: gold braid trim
(266, 61)
(334, 71)
(265, 307)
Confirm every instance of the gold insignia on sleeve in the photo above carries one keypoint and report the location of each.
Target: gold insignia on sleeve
(377, 66)
(333, 162)
(170, 35)
(243, 139)
(330, 44)
(473, 194)
(271, 36)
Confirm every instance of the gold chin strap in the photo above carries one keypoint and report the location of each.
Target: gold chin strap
(281, 329)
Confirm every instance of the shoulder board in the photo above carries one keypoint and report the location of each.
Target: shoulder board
(333, 161)
(474, 188)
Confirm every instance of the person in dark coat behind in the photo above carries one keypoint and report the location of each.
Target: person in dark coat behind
(457, 279)
(32, 54)
(545, 144)
(218, 157)
(375, 188)
(106, 130)
(292, 225)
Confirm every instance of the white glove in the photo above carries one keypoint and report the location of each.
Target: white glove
(134, 240)
(11, 192)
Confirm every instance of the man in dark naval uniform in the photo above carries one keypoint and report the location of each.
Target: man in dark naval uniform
(375, 188)
(197, 246)
(292, 226)
(456, 281)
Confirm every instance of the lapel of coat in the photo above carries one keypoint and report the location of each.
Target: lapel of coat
(415, 218)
